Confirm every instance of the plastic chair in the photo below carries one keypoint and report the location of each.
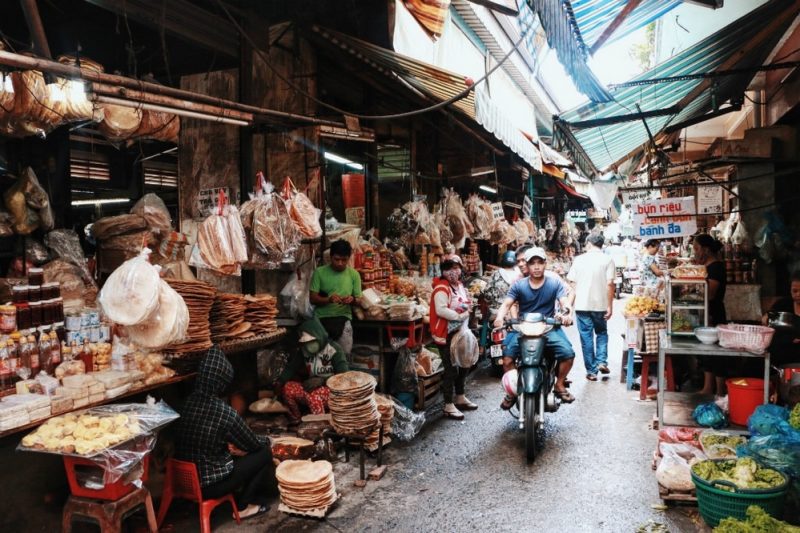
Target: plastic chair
(415, 331)
(645, 381)
(182, 481)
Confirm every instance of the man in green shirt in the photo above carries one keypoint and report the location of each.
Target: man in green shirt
(334, 288)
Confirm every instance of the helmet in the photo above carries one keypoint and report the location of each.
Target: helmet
(509, 382)
(509, 259)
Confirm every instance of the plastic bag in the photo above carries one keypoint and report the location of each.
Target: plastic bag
(36, 252)
(674, 470)
(406, 424)
(155, 212)
(238, 239)
(215, 242)
(294, 295)
(464, 347)
(18, 199)
(404, 378)
(65, 244)
(710, 415)
(771, 419)
(725, 445)
(126, 438)
(675, 434)
(131, 292)
(303, 212)
(781, 452)
(274, 232)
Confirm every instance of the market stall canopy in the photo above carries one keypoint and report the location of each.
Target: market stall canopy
(599, 136)
(568, 188)
(578, 28)
(439, 85)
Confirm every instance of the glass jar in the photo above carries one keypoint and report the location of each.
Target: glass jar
(8, 318)
(58, 309)
(34, 293)
(23, 316)
(47, 312)
(36, 314)
(19, 294)
(35, 276)
(49, 291)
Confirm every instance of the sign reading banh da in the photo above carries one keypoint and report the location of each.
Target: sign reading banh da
(665, 218)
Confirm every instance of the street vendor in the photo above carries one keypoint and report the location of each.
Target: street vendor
(334, 289)
(228, 455)
(785, 346)
(302, 383)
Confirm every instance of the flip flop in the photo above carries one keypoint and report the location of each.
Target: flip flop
(564, 396)
(507, 403)
(261, 510)
(454, 416)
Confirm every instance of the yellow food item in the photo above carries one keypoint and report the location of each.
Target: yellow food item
(641, 305)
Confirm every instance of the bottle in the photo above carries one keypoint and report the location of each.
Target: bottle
(24, 368)
(33, 355)
(44, 353)
(5, 372)
(12, 348)
(55, 350)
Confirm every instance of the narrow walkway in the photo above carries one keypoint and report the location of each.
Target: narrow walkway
(594, 473)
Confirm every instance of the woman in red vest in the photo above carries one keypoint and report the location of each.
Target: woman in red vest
(450, 305)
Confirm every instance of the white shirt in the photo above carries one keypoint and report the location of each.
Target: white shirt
(592, 272)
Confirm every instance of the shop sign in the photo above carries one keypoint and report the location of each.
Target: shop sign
(527, 207)
(631, 198)
(355, 216)
(207, 200)
(594, 212)
(709, 199)
(577, 215)
(497, 211)
(670, 217)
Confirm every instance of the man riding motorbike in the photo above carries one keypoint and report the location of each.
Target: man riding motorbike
(538, 293)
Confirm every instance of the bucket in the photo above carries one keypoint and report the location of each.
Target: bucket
(744, 395)
(353, 190)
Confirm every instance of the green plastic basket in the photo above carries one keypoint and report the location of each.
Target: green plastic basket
(715, 504)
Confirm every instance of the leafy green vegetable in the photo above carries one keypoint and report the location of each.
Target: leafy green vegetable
(794, 416)
(757, 521)
(712, 439)
(745, 473)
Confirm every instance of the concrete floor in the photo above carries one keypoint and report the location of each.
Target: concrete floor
(594, 473)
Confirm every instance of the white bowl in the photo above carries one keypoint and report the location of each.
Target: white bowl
(707, 335)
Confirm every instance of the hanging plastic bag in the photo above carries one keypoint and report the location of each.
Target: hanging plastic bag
(214, 242)
(303, 212)
(131, 292)
(464, 347)
(155, 212)
(65, 244)
(741, 237)
(406, 424)
(709, 415)
(294, 295)
(404, 378)
(236, 233)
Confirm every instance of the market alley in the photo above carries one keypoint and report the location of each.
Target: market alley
(593, 475)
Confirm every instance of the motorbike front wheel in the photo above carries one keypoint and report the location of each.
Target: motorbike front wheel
(531, 444)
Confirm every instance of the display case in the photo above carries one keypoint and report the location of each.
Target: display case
(687, 305)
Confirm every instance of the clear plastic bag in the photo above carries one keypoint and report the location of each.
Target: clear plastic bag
(65, 244)
(294, 295)
(274, 232)
(303, 212)
(674, 470)
(215, 246)
(406, 424)
(23, 200)
(131, 293)
(238, 239)
(464, 347)
(123, 441)
(35, 252)
(155, 212)
(404, 377)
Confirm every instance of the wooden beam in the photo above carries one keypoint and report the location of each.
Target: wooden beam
(615, 24)
(34, 21)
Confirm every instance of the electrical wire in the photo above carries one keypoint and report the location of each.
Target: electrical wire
(332, 107)
(792, 170)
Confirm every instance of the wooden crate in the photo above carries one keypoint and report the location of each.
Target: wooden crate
(428, 389)
(669, 495)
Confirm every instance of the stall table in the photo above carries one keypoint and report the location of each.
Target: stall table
(390, 329)
(681, 404)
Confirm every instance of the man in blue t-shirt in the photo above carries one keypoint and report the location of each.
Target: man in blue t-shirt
(538, 293)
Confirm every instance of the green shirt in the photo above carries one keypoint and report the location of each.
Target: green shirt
(327, 280)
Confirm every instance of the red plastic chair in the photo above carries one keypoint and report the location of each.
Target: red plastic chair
(182, 481)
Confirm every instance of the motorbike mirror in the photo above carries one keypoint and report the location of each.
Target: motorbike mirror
(534, 317)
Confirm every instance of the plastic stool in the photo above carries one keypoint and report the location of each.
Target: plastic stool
(182, 481)
(109, 514)
(645, 381)
(415, 331)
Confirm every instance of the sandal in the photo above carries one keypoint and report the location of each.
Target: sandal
(261, 510)
(507, 403)
(564, 396)
(453, 415)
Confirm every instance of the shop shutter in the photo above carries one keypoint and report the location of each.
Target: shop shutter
(89, 166)
(159, 175)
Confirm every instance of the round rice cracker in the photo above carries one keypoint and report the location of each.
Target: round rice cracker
(168, 321)
(131, 292)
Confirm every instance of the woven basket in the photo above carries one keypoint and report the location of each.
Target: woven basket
(754, 339)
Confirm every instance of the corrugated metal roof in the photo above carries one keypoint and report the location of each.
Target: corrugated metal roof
(430, 80)
(743, 43)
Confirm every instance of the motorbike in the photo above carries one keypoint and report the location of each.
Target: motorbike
(496, 339)
(618, 282)
(534, 379)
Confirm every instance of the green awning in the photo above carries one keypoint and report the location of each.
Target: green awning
(602, 135)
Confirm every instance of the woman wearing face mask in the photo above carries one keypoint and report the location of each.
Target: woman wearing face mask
(302, 383)
(450, 305)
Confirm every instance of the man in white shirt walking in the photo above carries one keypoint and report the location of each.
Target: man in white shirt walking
(592, 276)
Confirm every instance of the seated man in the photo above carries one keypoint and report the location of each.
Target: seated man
(538, 293)
(228, 455)
(303, 379)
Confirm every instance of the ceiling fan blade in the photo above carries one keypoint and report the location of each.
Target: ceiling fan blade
(494, 6)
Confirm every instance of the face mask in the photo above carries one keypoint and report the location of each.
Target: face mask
(311, 347)
(452, 275)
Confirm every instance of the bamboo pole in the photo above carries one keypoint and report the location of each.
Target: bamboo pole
(68, 71)
(163, 109)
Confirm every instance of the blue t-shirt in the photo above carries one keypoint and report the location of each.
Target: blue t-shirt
(541, 300)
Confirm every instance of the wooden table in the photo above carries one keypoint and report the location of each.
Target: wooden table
(382, 326)
(681, 403)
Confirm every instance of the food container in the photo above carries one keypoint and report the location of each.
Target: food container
(104, 333)
(781, 319)
(8, 318)
(23, 315)
(50, 291)
(58, 305)
(707, 335)
(19, 294)
(94, 334)
(94, 317)
(85, 319)
(34, 293)
(72, 321)
(36, 313)
(74, 336)
(35, 276)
